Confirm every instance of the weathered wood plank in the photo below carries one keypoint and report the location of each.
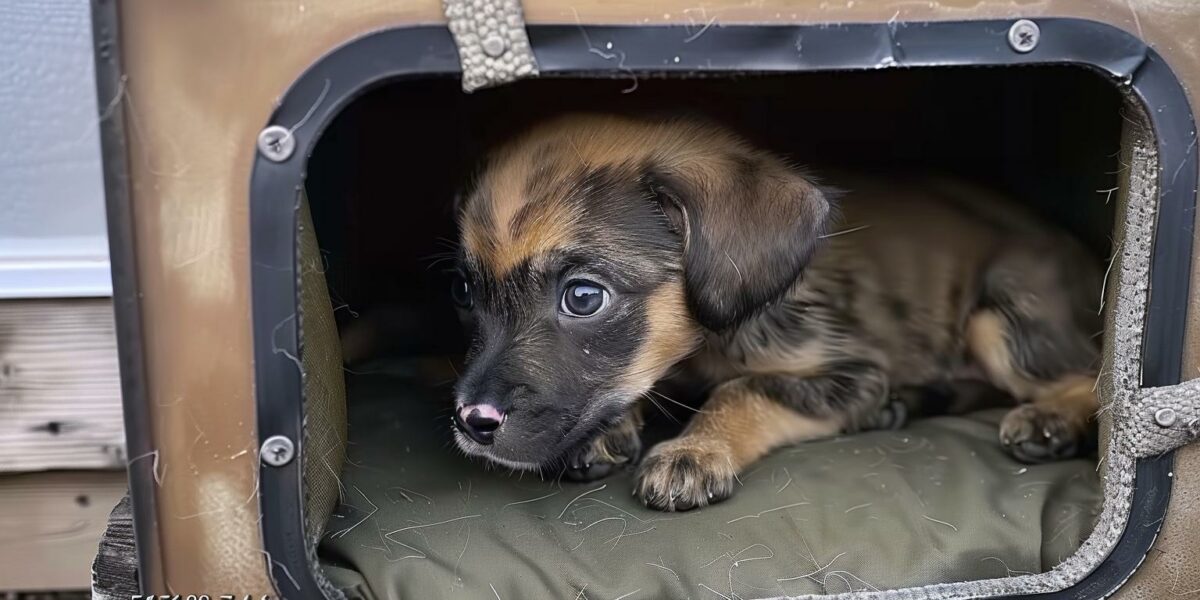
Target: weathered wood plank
(50, 526)
(60, 388)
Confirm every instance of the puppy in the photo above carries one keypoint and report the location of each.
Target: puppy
(599, 253)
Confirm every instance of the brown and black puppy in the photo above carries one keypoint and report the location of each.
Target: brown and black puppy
(598, 253)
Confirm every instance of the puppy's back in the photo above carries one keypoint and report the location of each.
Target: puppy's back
(910, 259)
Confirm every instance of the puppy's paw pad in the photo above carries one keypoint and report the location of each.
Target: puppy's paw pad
(1034, 434)
(683, 474)
(599, 458)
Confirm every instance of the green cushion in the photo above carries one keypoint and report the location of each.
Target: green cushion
(324, 385)
(936, 502)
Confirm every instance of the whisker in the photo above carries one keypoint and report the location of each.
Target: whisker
(661, 409)
(439, 260)
(447, 242)
(674, 401)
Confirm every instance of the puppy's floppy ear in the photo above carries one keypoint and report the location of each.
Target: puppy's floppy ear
(749, 225)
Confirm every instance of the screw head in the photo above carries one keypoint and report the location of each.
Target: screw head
(277, 451)
(494, 46)
(1024, 35)
(276, 143)
(1165, 417)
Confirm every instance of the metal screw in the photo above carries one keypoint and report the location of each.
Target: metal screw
(277, 451)
(494, 46)
(1165, 417)
(1023, 36)
(276, 143)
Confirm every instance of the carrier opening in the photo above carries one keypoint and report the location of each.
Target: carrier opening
(938, 501)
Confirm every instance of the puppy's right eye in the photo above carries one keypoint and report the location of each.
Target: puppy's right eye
(460, 292)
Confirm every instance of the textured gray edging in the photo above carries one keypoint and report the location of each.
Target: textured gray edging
(1119, 383)
(493, 47)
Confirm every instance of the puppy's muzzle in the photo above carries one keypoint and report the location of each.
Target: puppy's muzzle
(479, 422)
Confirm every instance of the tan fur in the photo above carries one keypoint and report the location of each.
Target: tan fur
(569, 144)
(1072, 396)
(750, 424)
(506, 244)
(1058, 410)
(671, 336)
(736, 427)
(988, 342)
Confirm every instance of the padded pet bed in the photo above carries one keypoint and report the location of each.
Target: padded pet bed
(938, 501)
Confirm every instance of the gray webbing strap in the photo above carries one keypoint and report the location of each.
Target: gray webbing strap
(493, 47)
(1164, 418)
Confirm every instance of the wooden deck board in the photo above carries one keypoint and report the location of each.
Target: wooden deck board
(50, 526)
(60, 389)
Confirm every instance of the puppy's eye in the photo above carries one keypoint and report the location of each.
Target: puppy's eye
(583, 299)
(460, 292)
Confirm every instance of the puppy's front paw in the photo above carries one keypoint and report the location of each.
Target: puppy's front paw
(685, 473)
(598, 458)
(1037, 434)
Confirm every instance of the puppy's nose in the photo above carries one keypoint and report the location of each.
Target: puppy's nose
(479, 421)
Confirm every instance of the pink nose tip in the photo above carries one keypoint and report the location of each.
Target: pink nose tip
(481, 411)
(479, 421)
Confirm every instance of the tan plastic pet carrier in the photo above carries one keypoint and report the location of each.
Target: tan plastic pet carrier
(280, 181)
